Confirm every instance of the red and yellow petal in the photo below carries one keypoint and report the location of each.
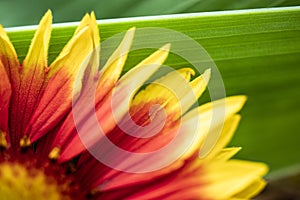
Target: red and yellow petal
(209, 120)
(164, 127)
(10, 71)
(112, 179)
(94, 91)
(5, 94)
(27, 80)
(165, 92)
(9, 59)
(113, 108)
(33, 78)
(36, 58)
(194, 179)
(112, 69)
(65, 81)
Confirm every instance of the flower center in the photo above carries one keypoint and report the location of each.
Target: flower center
(22, 176)
(20, 182)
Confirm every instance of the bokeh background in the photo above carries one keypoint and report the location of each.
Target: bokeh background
(269, 130)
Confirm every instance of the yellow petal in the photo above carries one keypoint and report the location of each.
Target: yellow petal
(114, 107)
(221, 108)
(232, 177)
(201, 134)
(166, 91)
(252, 189)
(77, 53)
(96, 42)
(198, 86)
(85, 21)
(215, 145)
(7, 49)
(133, 80)
(95, 31)
(74, 58)
(9, 57)
(114, 66)
(226, 154)
(219, 111)
(90, 20)
(139, 74)
(38, 51)
(205, 118)
(66, 76)
(175, 100)
(85, 37)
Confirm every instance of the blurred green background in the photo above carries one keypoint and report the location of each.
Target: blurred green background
(269, 130)
(20, 12)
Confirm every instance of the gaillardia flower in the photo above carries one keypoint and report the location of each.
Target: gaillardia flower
(48, 131)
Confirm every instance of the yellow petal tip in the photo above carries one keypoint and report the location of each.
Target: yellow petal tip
(129, 35)
(46, 20)
(93, 15)
(166, 47)
(38, 51)
(206, 75)
(48, 14)
(132, 29)
(1, 30)
(3, 34)
(238, 99)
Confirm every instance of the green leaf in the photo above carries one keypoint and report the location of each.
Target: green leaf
(257, 53)
(19, 12)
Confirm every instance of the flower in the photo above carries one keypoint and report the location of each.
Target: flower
(48, 131)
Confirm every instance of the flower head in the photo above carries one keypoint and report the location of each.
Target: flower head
(49, 127)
